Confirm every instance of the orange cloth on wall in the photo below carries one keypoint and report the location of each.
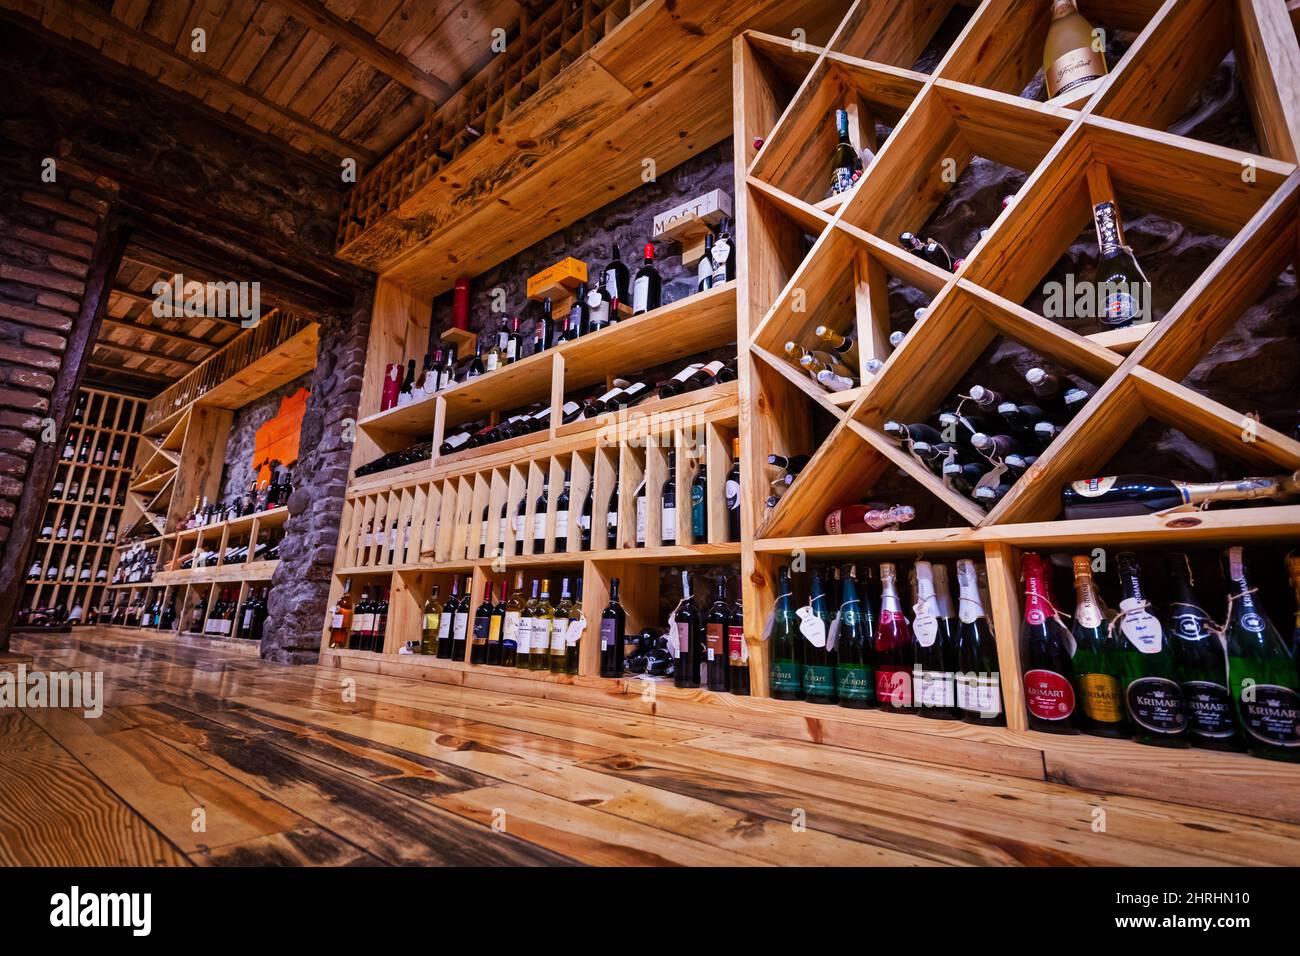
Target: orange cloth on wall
(277, 439)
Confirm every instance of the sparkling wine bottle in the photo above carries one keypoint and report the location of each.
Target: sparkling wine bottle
(1198, 652)
(855, 519)
(1126, 495)
(1096, 659)
(785, 643)
(1045, 654)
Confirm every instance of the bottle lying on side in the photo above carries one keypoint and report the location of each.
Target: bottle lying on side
(1127, 495)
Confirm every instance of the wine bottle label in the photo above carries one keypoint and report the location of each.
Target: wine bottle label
(737, 649)
(1101, 699)
(1093, 487)
(524, 635)
(248, 620)
(1089, 615)
(444, 626)
(1048, 695)
(519, 526)
(482, 535)
(573, 633)
(679, 638)
(854, 682)
(979, 693)
(584, 521)
(611, 519)
(640, 294)
(365, 623)
(935, 688)
(1073, 69)
(668, 525)
(1156, 704)
(687, 372)
(1273, 716)
(482, 628)
(715, 642)
(1140, 626)
(786, 678)
(1209, 709)
(501, 531)
(562, 526)
(608, 634)
(721, 253)
(818, 680)
(640, 520)
(732, 489)
(459, 626)
(894, 686)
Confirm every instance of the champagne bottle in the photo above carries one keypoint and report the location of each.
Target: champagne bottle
(818, 675)
(1122, 495)
(690, 638)
(1202, 666)
(894, 647)
(856, 519)
(1152, 694)
(785, 643)
(855, 673)
(613, 627)
(717, 660)
(1261, 672)
(1096, 659)
(1069, 57)
(934, 649)
(846, 166)
(979, 681)
(1045, 654)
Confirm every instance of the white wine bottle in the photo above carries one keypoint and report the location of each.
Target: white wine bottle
(1069, 56)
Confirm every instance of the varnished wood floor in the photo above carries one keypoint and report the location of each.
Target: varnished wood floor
(204, 756)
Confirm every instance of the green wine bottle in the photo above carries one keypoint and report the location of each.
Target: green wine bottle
(818, 658)
(1261, 672)
(855, 672)
(786, 643)
(1153, 695)
(1096, 659)
(1202, 667)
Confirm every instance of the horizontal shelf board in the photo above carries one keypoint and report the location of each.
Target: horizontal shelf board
(680, 554)
(222, 573)
(1224, 526)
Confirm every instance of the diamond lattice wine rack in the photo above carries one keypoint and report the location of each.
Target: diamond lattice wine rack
(934, 89)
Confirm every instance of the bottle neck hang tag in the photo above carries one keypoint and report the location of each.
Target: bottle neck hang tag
(811, 626)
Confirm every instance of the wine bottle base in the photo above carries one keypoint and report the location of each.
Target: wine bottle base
(819, 699)
(1120, 732)
(938, 713)
(786, 695)
(1063, 728)
(853, 704)
(1230, 745)
(1179, 742)
(999, 721)
(1291, 755)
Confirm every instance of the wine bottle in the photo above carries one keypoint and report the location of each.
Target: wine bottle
(934, 649)
(724, 259)
(700, 507)
(717, 659)
(598, 307)
(1070, 58)
(668, 505)
(341, 619)
(524, 635)
(979, 681)
(1096, 659)
(738, 650)
(430, 620)
(1261, 672)
(539, 652)
(613, 626)
(362, 623)
(844, 347)
(893, 647)
(1126, 495)
(1122, 287)
(679, 382)
(496, 622)
(562, 516)
(565, 612)
(611, 517)
(732, 489)
(856, 519)
(642, 516)
(1153, 695)
(846, 166)
(818, 676)
(647, 287)
(689, 629)
(1202, 666)
(855, 673)
(1045, 654)
(616, 282)
(785, 643)
(704, 269)
(460, 628)
(1293, 570)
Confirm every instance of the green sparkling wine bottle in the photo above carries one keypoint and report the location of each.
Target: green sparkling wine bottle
(1202, 665)
(1261, 672)
(785, 646)
(1153, 695)
(818, 658)
(855, 672)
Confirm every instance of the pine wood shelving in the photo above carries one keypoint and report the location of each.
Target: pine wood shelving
(112, 423)
(805, 260)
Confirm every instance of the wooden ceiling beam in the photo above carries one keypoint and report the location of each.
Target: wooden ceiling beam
(148, 301)
(349, 36)
(147, 47)
(152, 356)
(170, 336)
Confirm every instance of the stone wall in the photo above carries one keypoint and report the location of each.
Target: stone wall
(300, 587)
(238, 472)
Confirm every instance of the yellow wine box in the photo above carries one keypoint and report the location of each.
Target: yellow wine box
(558, 280)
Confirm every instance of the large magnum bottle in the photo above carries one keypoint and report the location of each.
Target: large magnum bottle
(855, 672)
(1127, 495)
(818, 658)
(1198, 653)
(979, 681)
(1153, 695)
(1045, 654)
(1096, 659)
(786, 643)
(935, 647)
(1261, 671)
(893, 647)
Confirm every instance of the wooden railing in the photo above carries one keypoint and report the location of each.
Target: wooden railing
(276, 328)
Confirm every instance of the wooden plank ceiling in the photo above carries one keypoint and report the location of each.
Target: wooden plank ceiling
(334, 78)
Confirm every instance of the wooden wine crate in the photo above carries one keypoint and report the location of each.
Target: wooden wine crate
(805, 259)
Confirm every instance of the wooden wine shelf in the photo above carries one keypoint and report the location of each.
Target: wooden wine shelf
(1101, 142)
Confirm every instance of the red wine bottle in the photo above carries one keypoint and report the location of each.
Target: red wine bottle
(1045, 654)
